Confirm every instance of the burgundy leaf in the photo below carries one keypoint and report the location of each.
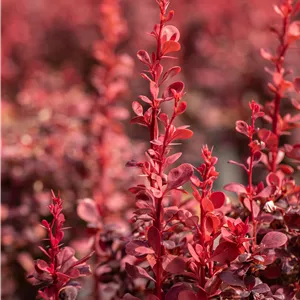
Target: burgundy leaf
(261, 288)
(187, 295)
(294, 152)
(137, 272)
(173, 264)
(154, 239)
(225, 252)
(256, 208)
(274, 239)
(232, 279)
(127, 296)
(152, 297)
(179, 176)
(297, 84)
(181, 108)
(193, 252)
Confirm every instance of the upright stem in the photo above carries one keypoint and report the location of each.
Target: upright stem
(278, 94)
(250, 175)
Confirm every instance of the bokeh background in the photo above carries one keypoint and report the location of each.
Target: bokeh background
(69, 75)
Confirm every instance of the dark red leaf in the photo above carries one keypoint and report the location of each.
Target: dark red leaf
(154, 239)
(179, 176)
(173, 264)
(256, 208)
(261, 288)
(297, 84)
(294, 152)
(218, 199)
(274, 239)
(137, 272)
(187, 295)
(225, 252)
(232, 279)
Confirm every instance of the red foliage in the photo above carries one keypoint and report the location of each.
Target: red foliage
(179, 236)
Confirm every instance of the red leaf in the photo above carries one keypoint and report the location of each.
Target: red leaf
(127, 296)
(87, 211)
(170, 46)
(242, 127)
(154, 239)
(268, 137)
(297, 84)
(218, 199)
(137, 108)
(139, 120)
(256, 208)
(235, 188)
(171, 73)
(232, 279)
(182, 134)
(172, 158)
(273, 179)
(170, 32)
(137, 272)
(173, 264)
(266, 192)
(296, 103)
(152, 297)
(144, 57)
(187, 295)
(274, 239)
(174, 89)
(295, 152)
(181, 108)
(193, 252)
(207, 205)
(179, 176)
(225, 252)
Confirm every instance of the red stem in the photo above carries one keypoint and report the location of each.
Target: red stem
(281, 50)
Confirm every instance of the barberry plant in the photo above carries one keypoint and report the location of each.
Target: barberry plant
(56, 275)
(154, 242)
